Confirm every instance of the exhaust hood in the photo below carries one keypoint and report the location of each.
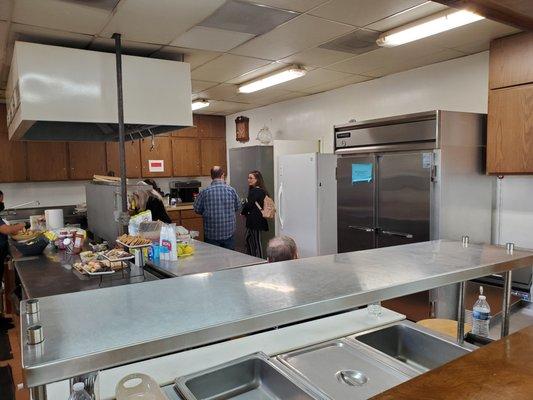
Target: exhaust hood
(65, 94)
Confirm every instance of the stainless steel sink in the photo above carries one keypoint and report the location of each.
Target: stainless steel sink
(252, 377)
(416, 347)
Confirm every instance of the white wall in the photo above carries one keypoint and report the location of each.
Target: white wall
(455, 85)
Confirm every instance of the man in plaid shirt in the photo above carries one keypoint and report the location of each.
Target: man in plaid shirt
(218, 204)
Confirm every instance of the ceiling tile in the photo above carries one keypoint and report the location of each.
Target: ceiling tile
(359, 41)
(220, 92)
(128, 47)
(349, 80)
(317, 57)
(313, 78)
(198, 86)
(294, 5)
(411, 63)
(5, 10)
(40, 35)
(61, 15)
(362, 12)
(191, 56)
(407, 16)
(239, 16)
(226, 67)
(267, 69)
(224, 107)
(162, 22)
(296, 35)
(212, 39)
(3, 38)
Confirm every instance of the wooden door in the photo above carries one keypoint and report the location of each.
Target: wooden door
(213, 152)
(47, 161)
(133, 158)
(162, 151)
(13, 158)
(510, 131)
(511, 61)
(86, 159)
(186, 157)
(211, 126)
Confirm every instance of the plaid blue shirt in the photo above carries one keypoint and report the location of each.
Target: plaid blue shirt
(218, 204)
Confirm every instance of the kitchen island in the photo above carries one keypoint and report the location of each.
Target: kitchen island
(207, 258)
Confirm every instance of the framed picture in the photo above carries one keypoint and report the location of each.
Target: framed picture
(242, 129)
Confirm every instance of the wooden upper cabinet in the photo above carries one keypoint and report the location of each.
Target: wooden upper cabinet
(191, 132)
(210, 126)
(162, 151)
(133, 158)
(47, 161)
(186, 157)
(13, 159)
(86, 159)
(510, 131)
(213, 153)
(511, 61)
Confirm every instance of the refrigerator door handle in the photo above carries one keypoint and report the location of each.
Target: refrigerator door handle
(362, 228)
(280, 216)
(401, 234)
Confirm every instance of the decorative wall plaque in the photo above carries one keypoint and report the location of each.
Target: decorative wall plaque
(242, 127)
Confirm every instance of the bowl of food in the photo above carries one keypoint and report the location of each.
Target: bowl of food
(33, 247)
(25, 235)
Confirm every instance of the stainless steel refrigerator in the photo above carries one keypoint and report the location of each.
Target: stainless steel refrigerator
(413, 178)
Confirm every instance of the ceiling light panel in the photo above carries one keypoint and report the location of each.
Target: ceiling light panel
(296, 35)
(258, 72)
(358, 42)
(362, 12)
(158, 22)
(203, 38)
(249, 18)
(273, 79)
(199, 104)
(226, 67)
(60, 15)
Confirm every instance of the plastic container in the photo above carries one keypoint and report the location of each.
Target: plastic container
(79, 393)
(481, 315)
(138, 386)
(374, 309)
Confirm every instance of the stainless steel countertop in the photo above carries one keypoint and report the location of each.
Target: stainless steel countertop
(94, 330)
(207, 258)
(52, 274)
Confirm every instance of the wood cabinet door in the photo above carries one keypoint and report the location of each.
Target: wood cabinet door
(510, 131)
(13, 159)
(213, 152)
(162, 151)
(133, 158)
(511, 61)
(47, 161)
(194, 224)
(186, 157)
(86, 159)
(210, 126)
(191, 132)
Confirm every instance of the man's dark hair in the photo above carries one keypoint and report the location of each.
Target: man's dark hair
(281, 248)
(217, 172)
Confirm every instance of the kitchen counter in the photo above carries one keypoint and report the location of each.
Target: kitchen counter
(500, 370)
(52, 273)
(207, 258)
(180, 207)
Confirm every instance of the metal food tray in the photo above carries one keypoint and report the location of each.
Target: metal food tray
(137, 246)
(98, 273)
(342, 371)
(253, 377)
(131, 257)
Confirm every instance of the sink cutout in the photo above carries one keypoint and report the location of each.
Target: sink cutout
(352, 377)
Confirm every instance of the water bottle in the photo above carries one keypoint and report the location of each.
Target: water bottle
(481, 316)
(79, 392)
(374, 309)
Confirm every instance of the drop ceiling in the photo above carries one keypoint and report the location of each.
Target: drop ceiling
(228, 42)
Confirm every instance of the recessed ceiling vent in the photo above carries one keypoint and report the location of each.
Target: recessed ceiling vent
(358, 42)
(243, 17)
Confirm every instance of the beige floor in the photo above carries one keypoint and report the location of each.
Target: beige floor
(16, 361)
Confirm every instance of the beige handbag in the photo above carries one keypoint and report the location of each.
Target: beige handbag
(269, 208)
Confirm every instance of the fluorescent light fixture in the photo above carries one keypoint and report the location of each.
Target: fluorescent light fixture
(425, 27)
(284, 75)
(197, 104)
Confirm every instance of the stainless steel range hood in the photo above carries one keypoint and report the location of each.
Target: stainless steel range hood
(64, 94)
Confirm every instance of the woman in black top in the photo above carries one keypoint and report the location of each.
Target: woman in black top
(255, 222)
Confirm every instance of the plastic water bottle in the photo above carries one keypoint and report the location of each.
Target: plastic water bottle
(481, 316)
(374, 309)
(79, 392)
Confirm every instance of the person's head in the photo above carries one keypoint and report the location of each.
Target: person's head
(152, 183)
(281, 248)
(217, 172)
(255, 179)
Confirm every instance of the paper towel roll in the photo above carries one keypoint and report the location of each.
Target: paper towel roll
(54, 219)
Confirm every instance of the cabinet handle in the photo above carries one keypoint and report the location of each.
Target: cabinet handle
(401, 234)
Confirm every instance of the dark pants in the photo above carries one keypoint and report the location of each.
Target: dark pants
(228, 243)
(253, 243)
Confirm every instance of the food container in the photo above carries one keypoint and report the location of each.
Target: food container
(33, 247)
(138, 386)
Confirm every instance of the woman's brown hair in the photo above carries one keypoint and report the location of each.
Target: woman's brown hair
(259, 178)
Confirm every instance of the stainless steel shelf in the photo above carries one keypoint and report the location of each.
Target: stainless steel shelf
(103, 328)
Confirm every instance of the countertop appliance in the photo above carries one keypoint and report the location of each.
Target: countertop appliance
(414, 178)
(242, 160)
(185, 190)
(307, 202)
(66, 94)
